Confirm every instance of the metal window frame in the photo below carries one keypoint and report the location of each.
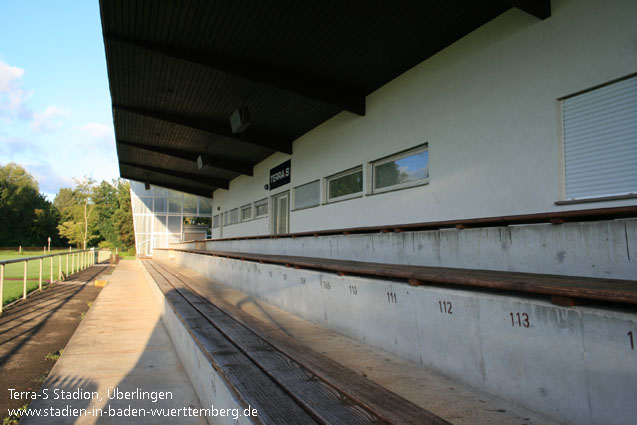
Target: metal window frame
(242, 209)
(347, 172)
(397, 156)
(260, 202)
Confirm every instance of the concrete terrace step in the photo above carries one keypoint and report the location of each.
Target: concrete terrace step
(384, 385)
(573, 363)
(568, 290)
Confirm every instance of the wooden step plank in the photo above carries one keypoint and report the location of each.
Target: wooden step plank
(590, 214)
(383, 402)
(324, 401)
(248, 382)
(598, 289)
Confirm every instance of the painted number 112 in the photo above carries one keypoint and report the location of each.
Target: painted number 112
(445, 307)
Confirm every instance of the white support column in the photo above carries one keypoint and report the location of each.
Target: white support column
(1, 286)
(24, 282)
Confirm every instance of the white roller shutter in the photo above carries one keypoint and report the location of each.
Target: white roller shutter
(600, 141)
(307, 195)
(234, 216)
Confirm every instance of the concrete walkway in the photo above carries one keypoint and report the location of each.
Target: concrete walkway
(120, 350)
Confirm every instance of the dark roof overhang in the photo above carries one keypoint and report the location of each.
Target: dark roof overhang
(178, 69)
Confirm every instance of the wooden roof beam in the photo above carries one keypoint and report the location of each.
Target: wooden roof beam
(199, 192)
(213, 160)
(296, 84)
(541, 9)
(216, 128)
(198, 178)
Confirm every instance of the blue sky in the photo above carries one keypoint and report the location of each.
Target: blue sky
(55, 107)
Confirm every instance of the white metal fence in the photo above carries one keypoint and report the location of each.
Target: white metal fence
(74, 261)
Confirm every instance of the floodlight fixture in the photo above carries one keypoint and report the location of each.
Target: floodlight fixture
(240, 120)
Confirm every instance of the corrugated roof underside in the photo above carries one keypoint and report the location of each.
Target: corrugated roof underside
(349, 46)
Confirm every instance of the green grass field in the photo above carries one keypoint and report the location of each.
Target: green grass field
(13, 273)
(127, 255)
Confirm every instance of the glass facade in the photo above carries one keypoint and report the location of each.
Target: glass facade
(158, 215)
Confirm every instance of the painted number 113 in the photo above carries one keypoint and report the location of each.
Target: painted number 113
(522, 319)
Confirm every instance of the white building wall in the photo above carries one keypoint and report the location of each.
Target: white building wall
(488, 108)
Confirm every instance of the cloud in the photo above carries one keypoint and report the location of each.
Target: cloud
(49, 120)
(13, 97)
(9, 77)
(49, 180)
(11, 146)
(98, 131)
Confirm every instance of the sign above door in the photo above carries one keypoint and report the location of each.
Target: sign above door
(280, 175)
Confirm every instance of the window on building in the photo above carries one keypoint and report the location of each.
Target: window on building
(215, 221)
(226, 218)
(140, 189)
(160, 224)
(261, 208)
(190, 203)
(246, 212)
(406, 169)
(174, 224)
(600, 141)
(175, 202)
(345, 185)
(148, 204)
(205, 206)
(307, 195)
(234, 216)
(160, 205)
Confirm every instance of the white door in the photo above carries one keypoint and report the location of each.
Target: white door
(281, 213)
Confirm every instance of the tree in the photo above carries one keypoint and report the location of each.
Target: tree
(84, 215)
(123, 216)
(64, 199)
(97, 214)
(78, 221)
(15, 175)
(113, 207)
(106, 203)
(26, 217)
